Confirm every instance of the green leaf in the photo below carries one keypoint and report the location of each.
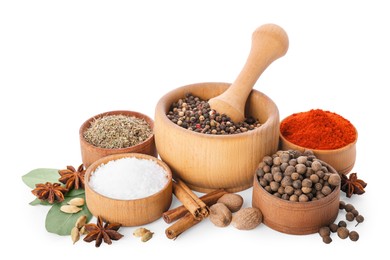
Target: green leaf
(40, 175)
(62, 223)
(75, 193)
(39, 202)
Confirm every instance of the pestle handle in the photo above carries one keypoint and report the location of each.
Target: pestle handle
(269, 42)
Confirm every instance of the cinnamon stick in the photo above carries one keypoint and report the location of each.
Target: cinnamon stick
(209, 199)
(204, 210)
(188, 202)
(181, 225)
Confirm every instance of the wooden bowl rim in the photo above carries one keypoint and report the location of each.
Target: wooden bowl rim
(162, 101)
(106, 159)
(136, 114)
(296, 205)
(320, 151)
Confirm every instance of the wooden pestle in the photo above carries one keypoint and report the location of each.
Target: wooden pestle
(269, 42)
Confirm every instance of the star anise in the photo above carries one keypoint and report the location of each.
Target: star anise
(71, 178)
(100, 232)
(50, 192)
(352, 185)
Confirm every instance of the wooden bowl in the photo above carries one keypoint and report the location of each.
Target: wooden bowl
(342, 159)
(298, 218)
(91, 153)
(128, 212)
(209, 162)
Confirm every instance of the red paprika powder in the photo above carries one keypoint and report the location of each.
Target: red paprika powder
(318, 129)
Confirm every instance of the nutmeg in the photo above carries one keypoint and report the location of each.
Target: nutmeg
(232, 201)
(247, 218)
(220, 215)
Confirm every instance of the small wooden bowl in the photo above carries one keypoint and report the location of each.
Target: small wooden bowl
(342, 159)
(209, 162)
(91, 153)
(128, 212)
(298, 218)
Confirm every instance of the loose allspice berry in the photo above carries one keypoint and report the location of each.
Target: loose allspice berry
(333, 227)
(343, 232)
(327, 239)
(349, 216)
(359, 219)
(354, 236)
(324, 231)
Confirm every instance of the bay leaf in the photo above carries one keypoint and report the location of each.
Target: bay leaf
(39, 202)
(74, 193)
(40, 175)
(62, 223)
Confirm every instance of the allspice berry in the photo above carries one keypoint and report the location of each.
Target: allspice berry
(334, 179)
(327, 239)
(343, 232)
(341, 205)
(355, 212)
(354, 236)
(349, 216)
(342, 223)
(324, 231)
(359, 219)
(349, 207)
(333, 227)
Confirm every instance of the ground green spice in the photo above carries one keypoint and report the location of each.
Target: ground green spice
(117, 131)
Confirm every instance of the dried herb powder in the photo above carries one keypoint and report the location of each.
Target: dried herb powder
(117, 131)
(195, 114)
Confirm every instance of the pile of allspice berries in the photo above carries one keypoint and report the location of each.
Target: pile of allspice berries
(341, 228)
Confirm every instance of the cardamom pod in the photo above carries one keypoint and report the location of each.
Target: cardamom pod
(83, 231)
(139, 232)
(76, 202)
(75, 234)
(148, 235)
(81, 221)
(70, 209)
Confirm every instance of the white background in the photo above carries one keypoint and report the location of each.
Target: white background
(62, 62)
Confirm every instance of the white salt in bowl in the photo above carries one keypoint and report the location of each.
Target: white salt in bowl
(128, 212)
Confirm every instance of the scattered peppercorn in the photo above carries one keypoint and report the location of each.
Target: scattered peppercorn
(343, 232)
(349, 216)
(195, 114)
(354, 236)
